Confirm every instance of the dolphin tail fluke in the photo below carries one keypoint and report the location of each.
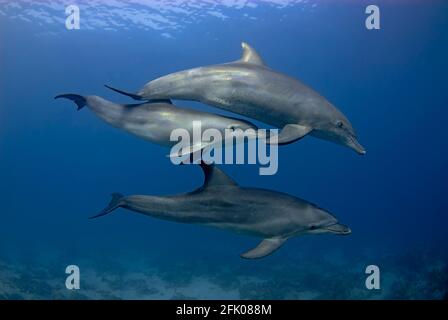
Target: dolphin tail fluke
(113, 204)
(129, 94)
(76, 98)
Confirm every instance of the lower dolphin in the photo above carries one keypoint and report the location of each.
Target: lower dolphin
(222, 204)
(156, 121)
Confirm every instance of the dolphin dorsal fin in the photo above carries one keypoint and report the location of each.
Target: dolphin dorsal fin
(215, 177)
(250, 55)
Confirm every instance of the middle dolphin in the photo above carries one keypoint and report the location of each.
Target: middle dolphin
(248, 87)
(221, 203)
(155, 121)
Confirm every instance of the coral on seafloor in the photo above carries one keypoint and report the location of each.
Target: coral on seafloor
(416, 276)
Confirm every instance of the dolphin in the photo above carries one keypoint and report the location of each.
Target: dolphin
(156, 120)
(250, 88)
(222, 204)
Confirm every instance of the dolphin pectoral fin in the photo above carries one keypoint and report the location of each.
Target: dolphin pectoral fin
(190, 150)
(289, 134)
(264, 248)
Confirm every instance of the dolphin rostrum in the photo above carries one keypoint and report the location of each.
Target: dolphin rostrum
(250, 88)
(155, 121)
(221, 203)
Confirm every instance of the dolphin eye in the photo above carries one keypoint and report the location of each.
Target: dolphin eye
(339, 124)
(313, 227)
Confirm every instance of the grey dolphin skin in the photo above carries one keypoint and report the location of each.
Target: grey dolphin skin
(222, 204)
(156, 120)
(250, 88)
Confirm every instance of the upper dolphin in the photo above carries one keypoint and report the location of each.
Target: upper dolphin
(155, 121)
(250, 88)
(221, 203)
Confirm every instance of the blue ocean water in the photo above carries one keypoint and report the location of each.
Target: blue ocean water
(59, 166)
